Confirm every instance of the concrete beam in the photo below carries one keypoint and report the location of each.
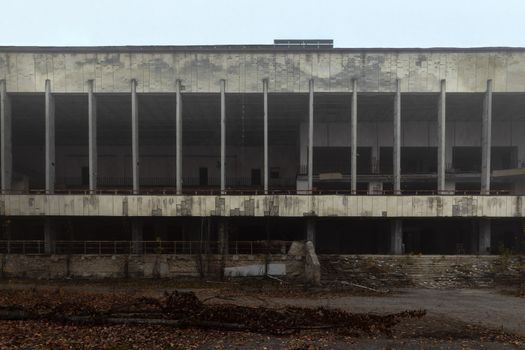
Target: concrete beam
(484, 240)
(135, 135)
(397, 138)
(441, 156)
(178, 138)
(265, 97)
(310, 134)
(353, 131)
(50, 138)
(396, 237)
(486, 139)
(213, 63)
(92, 144)
(223, 136)
(363, 206)
(6, 157)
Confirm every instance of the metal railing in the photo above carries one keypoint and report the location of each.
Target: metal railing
(252, 191)
(22, 247)
(143, 247)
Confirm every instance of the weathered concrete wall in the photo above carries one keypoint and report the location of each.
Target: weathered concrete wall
(372, 270)
(287, 71)
(138, 266)
(260, 205)
(422, 271)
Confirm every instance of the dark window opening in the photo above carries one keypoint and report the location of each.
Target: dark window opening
(338, 160)
(414, 160)
(468, 159)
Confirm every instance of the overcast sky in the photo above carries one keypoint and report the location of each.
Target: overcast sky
(363, 23)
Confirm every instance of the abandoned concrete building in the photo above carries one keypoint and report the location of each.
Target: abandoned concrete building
(123, 150)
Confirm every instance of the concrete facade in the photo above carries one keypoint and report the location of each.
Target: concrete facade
(385, 135)
(264, 205)
(201, 69)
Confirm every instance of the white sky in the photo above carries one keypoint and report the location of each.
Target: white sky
(351, 23)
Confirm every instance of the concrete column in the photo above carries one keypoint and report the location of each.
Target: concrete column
(265, 93)
(49, 236)
(6, 157)
(484, 237)
(310, 230)
(353, 131)
(375, 187)
(311, 135)
(178, 130)
(92, 125)
(50, 139)
(375, 159)
(441, 166)
(223, 236)
(397, 138)
(396, 237)
(486, 139)
(135, 135)
(223, 136)
(137, 237)
(450, 186)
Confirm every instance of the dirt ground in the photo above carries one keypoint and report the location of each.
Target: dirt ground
(456, 319)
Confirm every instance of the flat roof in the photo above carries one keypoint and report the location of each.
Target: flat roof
(246, 48)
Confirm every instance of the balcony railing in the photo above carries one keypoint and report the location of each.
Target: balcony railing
(143, 247)
(258, 191)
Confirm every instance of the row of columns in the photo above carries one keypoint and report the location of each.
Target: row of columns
(481, 243)
(6, 145)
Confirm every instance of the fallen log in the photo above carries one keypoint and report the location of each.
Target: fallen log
(186, 310)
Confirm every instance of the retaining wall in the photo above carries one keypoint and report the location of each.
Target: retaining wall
(423, 270)
(428, 271)
(141, 266)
